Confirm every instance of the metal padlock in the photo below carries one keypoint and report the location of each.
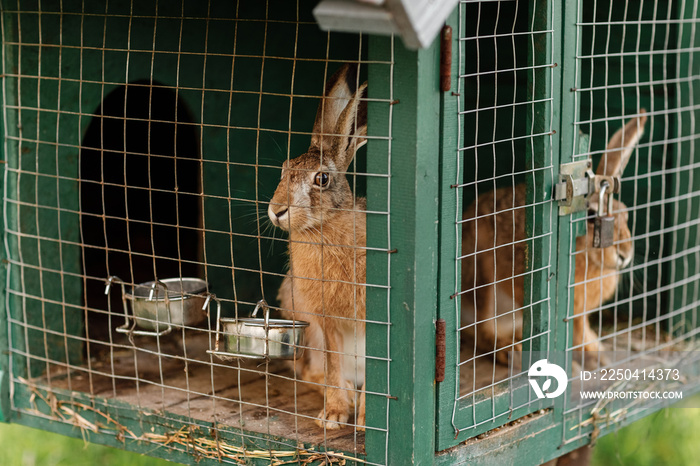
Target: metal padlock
(604, 225)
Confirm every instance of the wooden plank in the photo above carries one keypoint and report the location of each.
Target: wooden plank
(523, 442)
(156, 433)
(259, 399)
(413, 223)
(543, 152)
(378, 196)
(4, 337)
(451, 202)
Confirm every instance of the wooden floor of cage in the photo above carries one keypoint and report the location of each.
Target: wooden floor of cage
(483, 378)
(257, 398)
(265, 400)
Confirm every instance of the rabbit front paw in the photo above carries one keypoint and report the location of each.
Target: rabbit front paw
(332, 419)
(337, 410)
(360, 422)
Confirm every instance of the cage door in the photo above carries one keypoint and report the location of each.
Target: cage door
(499, 236)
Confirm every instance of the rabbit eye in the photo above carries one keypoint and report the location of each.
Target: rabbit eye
(322, 179)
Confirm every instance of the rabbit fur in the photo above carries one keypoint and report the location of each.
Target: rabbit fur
(495, 257)
(327, 258)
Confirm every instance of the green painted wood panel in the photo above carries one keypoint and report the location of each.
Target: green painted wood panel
(570, 142)
(378, 264)
(568, 146)
(534, 441)
(414, 195)
(5, 410)
(451, 202)
(544, 87)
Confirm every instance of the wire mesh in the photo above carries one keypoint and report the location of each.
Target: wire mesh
(636, 63)
(144, 141)
(505, 155)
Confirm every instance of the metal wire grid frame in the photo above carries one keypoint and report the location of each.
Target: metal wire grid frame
(504, 142)
(611, 75)
(144, 140)
(629, 57)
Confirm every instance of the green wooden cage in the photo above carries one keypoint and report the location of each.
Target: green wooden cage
(144, 140)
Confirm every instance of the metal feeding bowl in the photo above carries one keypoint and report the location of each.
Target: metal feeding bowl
(159, 306)
(260, 338)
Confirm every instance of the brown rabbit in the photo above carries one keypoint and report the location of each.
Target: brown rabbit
(327, 256)
(494, 259)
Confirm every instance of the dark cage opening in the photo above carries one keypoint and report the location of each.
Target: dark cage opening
(139, 181)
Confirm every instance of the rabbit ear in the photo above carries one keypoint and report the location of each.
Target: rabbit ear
(352, 129)
(621, 145)
(340, 88)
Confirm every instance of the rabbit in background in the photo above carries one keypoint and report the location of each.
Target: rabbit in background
(494, 250)
(327, 257)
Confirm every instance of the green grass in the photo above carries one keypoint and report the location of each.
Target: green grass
(668, 437)
(23, 446)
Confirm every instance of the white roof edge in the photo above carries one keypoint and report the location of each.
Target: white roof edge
(418, 22)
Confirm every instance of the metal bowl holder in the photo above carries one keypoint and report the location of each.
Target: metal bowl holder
(130, 328)
(225, 355)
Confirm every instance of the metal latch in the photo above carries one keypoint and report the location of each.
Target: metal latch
(604, 225)
(577, 183)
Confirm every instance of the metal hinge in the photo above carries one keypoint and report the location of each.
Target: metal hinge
(446, 59)
(440, 349)
(577, 183)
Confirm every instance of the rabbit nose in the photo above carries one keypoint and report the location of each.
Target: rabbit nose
(275, 216)
(281, 212)
(623, 261)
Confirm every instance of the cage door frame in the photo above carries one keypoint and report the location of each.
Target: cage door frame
(457, 420)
